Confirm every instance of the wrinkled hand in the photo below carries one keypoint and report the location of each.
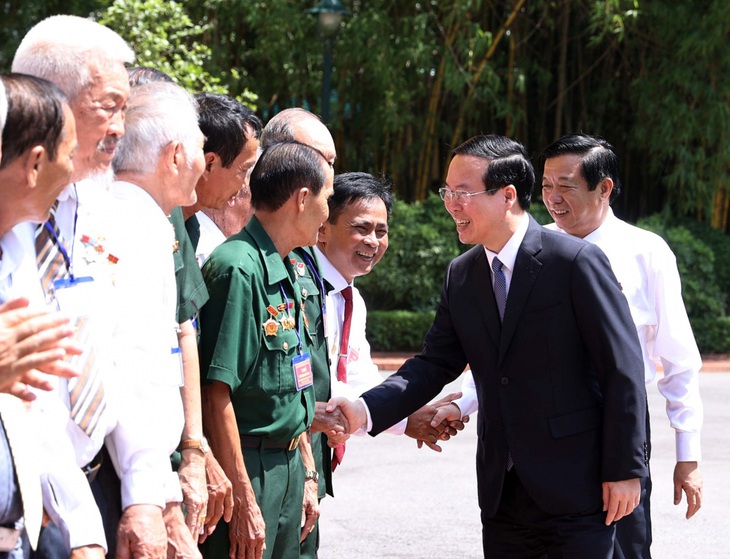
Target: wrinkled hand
(194, 490)
(33, 345)
(354, 412)
(310, 508)
(220, 496)
(620, 498)
(332, 424)
(180, 542)
(247, 530)
(141, 533)
(688, 478)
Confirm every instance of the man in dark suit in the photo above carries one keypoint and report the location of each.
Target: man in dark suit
(541, 320)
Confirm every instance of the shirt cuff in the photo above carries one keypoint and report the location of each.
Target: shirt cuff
(688, 446)
(173, 490)
(143, 488)
(369, 423)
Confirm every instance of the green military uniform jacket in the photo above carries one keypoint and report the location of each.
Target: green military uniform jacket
(313, 287)
(245, 340)
(191, 291)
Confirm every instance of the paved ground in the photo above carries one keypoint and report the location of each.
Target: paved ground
(397, 502)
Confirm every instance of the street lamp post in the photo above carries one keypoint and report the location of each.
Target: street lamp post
(330, 14)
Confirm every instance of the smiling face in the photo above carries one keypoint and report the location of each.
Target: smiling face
(356, 242)
(224, 183)
(575, 209)
(99, 113)
(479, 219)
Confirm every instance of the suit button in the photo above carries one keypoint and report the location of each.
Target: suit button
(504, 381)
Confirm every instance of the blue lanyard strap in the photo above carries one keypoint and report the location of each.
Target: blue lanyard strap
(288, 314)
(320, 282)
(61, 248)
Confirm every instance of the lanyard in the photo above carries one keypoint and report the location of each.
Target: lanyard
(288, 314)
(62, 249)
(320, 283)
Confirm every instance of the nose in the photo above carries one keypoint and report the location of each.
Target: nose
(116, 124)
(553, 196)
(371, 239)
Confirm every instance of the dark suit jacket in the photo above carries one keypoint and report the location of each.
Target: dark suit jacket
(560, 382)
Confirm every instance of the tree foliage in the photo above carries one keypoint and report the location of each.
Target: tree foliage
(164, 37)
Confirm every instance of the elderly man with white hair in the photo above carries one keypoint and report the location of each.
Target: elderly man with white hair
(87, 61)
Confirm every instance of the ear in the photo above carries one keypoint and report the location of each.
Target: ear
(605, 187)
(33, 164)
(323, 234)
(510, 195)
(302, 196)
(177, 155)
(210, 159)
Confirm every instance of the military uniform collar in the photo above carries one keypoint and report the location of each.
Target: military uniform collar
(276, 268)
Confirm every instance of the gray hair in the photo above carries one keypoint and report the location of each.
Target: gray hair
(157, 113)
(63, 48)
(3, 108)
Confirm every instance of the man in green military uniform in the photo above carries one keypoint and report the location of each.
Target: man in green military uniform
(254, 351)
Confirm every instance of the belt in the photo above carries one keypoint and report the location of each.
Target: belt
(92, 468)
(8, 539)
(251, 441)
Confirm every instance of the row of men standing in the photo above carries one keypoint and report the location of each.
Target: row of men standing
(106, 255)
(255, 421)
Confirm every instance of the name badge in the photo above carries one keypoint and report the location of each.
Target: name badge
(302, 367)
(75, 296)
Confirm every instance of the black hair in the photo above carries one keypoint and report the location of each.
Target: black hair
(599, 159)
(281, 170)
(225, 123)
(508, 164)
(350, 187)
(35, 116)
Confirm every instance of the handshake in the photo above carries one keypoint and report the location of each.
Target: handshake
(434, 422)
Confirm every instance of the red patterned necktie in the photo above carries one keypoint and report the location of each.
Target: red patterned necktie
(86, 392)
(342, 361)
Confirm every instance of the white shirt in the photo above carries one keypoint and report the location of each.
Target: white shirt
(67, 496)
(647, 272)
(210, 237)
(124, 240)
(362, 373)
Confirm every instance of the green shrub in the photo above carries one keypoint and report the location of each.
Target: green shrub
(703, 290)
(398, 330)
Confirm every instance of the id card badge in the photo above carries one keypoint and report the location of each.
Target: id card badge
(302, 367)
(75, 296)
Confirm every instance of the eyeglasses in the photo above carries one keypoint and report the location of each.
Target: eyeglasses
(461, 196)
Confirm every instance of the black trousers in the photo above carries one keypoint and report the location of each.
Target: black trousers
(522, 530)
(633, 533)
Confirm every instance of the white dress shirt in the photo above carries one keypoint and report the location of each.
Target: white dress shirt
(646, 268)
(210, 237)
(468, 403)
(362, 373)
(647, 271)
(129, 251)
(66, 493)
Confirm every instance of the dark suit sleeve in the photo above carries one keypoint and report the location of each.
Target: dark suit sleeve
(608, 331)
(422, 377)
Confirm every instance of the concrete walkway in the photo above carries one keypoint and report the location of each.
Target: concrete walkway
(394, 501)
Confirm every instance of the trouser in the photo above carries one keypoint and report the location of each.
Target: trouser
(277, 478)
(522, 530)
(633, 533)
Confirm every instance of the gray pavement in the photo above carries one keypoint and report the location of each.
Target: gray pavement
(394, 501)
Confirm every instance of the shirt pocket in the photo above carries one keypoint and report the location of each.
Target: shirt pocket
(275, 373)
